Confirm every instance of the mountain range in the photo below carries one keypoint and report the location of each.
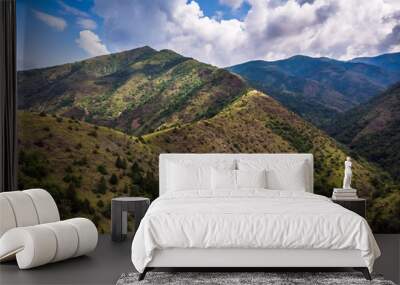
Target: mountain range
(319, 89)
(95, 129)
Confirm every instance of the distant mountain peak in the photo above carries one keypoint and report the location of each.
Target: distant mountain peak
(146, 47)
(384, 55)
(298, 56)
(388, 61)
(143, 49)
(169, 51)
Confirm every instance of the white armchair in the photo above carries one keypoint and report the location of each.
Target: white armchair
(31, 230)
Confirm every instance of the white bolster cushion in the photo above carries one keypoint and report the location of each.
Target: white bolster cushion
(7, 218)
(37, 245)
(45, 205)
(23, 208)
(87, 235)
(67, 240)
(33, 246)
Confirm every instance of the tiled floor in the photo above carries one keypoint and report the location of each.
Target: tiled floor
(110, 260)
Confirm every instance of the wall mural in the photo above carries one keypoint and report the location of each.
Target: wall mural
(105, 86)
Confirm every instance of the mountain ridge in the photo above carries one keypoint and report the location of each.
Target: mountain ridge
(318, 89)
(390, 61)
(137, 91)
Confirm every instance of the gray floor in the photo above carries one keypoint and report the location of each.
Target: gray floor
(104, 266)
(389, 262)
(110, 260)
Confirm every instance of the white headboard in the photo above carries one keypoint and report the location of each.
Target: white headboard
(210, 157)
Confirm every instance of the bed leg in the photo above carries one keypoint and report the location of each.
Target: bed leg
(143, 274)
(364, 271)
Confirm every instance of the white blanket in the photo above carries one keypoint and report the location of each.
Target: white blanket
(250, 219)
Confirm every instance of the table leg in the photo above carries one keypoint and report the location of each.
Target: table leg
(124, 218)
(116, 221)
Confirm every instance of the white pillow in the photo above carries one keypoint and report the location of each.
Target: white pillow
(223, 179)
(205, 162)
(281, 174)
(251, 178)
(188, 177)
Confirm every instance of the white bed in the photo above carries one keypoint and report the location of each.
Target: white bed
(249, 227)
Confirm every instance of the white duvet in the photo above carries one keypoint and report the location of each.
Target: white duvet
(250, 219)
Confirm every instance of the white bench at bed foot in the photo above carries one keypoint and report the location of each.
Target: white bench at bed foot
(31, 230)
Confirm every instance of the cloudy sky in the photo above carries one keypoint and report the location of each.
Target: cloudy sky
(220, 32)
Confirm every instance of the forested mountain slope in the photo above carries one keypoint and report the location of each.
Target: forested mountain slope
(136, 91)
(318, 89)
(373, 130)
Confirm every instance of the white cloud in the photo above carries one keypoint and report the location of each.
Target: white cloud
(72, 10)
(87, 24)
(234, 4)
(272, 29)
(91, 43)
(55, 22)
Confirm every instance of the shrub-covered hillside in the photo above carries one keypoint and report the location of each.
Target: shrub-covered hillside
(136, 91)
(256, 123)
(83, 165)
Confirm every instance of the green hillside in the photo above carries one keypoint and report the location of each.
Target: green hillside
(81, 155)
(373, 130)
(82, 165)
(136, 91)
(256, 123)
